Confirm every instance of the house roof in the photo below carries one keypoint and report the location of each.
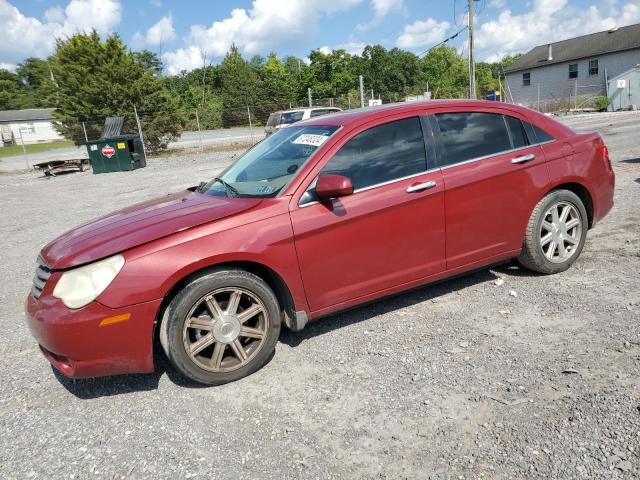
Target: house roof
(27, 115)
(592, 45)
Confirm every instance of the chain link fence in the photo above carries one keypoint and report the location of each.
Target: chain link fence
(558, 97)
(206, 126)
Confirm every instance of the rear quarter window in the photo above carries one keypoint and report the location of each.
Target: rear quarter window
(541, 135)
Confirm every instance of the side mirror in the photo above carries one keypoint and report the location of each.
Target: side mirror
(330, 185)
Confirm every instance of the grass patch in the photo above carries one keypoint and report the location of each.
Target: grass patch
(14, 150)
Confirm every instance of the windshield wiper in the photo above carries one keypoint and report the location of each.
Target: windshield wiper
(228, 187)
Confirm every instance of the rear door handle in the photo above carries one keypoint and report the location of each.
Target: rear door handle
(524, 158)
(421, 186)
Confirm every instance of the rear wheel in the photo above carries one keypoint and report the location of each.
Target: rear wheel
(221, 327)
(556, 233)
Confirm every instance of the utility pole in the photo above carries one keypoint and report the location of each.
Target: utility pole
(310, 98)
(361, 92)
(472, 65)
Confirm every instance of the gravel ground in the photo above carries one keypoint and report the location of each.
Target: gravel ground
(499, 374)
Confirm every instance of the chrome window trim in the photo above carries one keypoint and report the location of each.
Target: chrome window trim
(377, 185)
(477, 159)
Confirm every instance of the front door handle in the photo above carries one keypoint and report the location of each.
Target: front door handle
(524, 158)
(421, 186)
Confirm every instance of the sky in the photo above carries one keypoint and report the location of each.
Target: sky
(190, 33)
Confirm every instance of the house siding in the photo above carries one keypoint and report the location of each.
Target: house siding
(555, 84)
(33, 131)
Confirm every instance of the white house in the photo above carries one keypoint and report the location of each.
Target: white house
(32, 125)
(571, 73)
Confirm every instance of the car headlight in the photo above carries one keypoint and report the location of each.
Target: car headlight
(80, 286)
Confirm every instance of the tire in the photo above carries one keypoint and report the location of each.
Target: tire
(547, 230)
(235, 341)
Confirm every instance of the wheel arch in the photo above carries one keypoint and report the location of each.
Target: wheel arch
(582, 192)
(267, 274)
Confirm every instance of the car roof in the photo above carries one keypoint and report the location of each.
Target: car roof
(357, 115)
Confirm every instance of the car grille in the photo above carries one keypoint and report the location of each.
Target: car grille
(43, 272)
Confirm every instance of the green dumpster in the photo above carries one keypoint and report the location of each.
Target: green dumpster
(116, 154)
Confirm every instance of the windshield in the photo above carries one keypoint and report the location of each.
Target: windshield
(291, 117)
(265, 169)
(274, 119)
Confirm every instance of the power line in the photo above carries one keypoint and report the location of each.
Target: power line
(444, 41)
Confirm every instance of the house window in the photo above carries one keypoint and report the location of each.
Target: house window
(593, 67)
(573, 70)
(526, 79)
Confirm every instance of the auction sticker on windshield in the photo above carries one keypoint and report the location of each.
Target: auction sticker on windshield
(310, 139)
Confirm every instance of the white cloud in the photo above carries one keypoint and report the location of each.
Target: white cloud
(156, 3)
(268, 25)
(162, 31)
(382, 8)
(8, 66)
(158, 34)
(421, 34)
(549, 21)
(352, 48)
(24, 36)
(183, 59)
(498, 3)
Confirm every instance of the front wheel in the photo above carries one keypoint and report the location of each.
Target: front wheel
(221, 326)
(556, 233)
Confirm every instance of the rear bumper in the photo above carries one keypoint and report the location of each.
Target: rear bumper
(604, 196)
(75, 343)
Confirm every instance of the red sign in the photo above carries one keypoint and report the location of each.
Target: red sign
(108, 151)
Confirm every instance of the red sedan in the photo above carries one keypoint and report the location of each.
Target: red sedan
(327, 214)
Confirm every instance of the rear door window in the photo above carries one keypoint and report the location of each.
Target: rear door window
(469, 135)
(381, 154)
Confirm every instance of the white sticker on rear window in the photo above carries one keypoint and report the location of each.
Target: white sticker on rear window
(310, 139)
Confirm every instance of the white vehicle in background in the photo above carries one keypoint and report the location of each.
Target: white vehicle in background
(284, 118)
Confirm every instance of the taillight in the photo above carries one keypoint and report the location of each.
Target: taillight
(604, 152)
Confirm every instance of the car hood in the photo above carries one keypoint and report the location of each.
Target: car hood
(138, 224)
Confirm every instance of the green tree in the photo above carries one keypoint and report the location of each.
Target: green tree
(278, 88)
(98, 79)
(149, 61)
(10, 90)
(485, 81)
(445, 72)
(392, 74)
(240, 88)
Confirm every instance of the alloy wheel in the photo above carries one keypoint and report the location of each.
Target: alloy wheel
(225, 329)
(560, 232)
